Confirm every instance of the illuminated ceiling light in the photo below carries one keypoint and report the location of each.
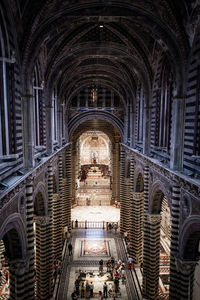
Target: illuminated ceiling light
(94, 94)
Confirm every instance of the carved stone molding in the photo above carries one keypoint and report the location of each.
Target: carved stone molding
(43, 220)
(153, 219)
(185, 267)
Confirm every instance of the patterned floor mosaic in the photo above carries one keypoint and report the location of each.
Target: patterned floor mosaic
(93, 247)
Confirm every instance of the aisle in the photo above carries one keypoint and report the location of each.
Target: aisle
(89, 246)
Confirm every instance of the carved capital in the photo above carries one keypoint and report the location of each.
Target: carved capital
(185, 267)
(42, 220)
(153, 219)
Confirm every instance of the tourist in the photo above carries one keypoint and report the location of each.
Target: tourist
(76, 223)
(74, 296)
(87, 290)
(116, 283)
(100, 295)
(130, 260)
(115, 227)
(91, 289)
(70, 248)
(105, 290)
(101, 266)
(110, 226)
(126, 236)
(112, 262)
(82, 290)
(77, 285)
(123, 277)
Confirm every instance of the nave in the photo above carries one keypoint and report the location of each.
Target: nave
(89, 247)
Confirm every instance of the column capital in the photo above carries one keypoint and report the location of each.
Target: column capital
(42, 220)
(138, 195)
(153, 218)
(18, 266)
(185, 266)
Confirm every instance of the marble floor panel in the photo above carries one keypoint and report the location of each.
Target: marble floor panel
(94, 249)
(96, 213)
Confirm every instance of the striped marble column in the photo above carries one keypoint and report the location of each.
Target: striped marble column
(151, 256)
(67, 190)
(175, 213)
(12, 295)
(57, 215)
(136, 233)
(43, 258)
(30, 273)
(115, 172)
(127, 205)
(123, 223)
(19, 280)
(57, 227)
(73, 172)
(49, 227)
(185, 269)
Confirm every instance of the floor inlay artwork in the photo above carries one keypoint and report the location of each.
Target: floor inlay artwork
(92, 247)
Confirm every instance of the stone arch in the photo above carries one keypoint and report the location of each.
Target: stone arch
(97, 115)
(13, 234)
(189, 238)
(157, 194)
(40, 200)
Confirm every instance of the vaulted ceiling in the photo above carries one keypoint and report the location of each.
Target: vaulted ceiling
(111, 42)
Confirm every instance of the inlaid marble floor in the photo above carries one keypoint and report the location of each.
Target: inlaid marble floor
(89, 246)
(96, 213)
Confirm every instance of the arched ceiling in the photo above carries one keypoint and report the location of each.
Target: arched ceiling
(99, 125)
(111, 42)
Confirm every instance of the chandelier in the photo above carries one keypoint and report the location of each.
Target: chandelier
(94, 94)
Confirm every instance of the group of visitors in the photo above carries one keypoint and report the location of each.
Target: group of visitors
(82, 289)
(111, 226)
(57, 267)
(87, 290)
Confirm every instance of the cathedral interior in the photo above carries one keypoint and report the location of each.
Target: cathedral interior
(99, 149)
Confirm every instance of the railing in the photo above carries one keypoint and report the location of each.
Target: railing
(89, 225)
(92, 224)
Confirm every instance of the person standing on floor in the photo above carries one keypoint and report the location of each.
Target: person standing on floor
(82, 290)
(87, 290)
(130, 260)
(70, 248)
(91, 289)
(105, 290)
(101, 266)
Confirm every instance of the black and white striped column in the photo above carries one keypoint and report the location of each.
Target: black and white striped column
(136, 231)
(185, 270)
(29, 287)
(175, 213)
(67, 190)
(123, 220)
(151, 256)
(17, 271)
(43, 258)
(57, 214)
